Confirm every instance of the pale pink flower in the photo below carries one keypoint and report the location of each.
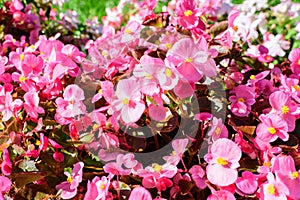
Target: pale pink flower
(198, 175)
(8, 107)
(128, 105)
(31, 104)
(140, 193)
(221, 195)
(223, 160)
(193, 60)
(179, 146)
(97, 189)
(188, 14)
(217, 129)
(294, 57)
(69, 187)
(271, 127)
(273, 189)
(284, 168)
(5, 185)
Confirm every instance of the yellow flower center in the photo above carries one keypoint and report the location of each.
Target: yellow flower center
(272, 130)
(69, 179)
(296, 87)
(271, 189)
(218, 131)
(125, 101)
(189, 59)
(22, 56)
(222, 161)
(168, 45)
(294, 175)
(157, 167)
(285, 109)
(252, 77)
(127, 31)
(267, 164)
(241, 99)
(235, 28)
(104, 53)
(148, 76)
(168, 72)
(95, 126)
(174, 153)
(188, 13)
(38, 143)
(102, 186)
(299, 62)
(22, 79)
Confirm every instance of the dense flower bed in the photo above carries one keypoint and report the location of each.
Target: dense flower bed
(200, 101)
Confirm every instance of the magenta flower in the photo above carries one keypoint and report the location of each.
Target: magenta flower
(140, 193)
(217, 130)
(6, 165)
(242, 101)
(294, 57)
(69, 187)
(284, 106)
(223, 160)
(188, 14)
(192, 60)
(128, 106)
(273, 189)
(31, 104)
(198, 175)
(5, 184)
(284, 168)
(97, 189)
(247, 184)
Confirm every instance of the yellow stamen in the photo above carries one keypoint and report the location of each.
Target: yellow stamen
(188, 13)
(272, 130)
(174, 153)
(294, 175)
(299, 62)
(102, 186)
(69, 179)
(148, 76)
(252, 77)
(38, 143)
(189, 59)
(127, 31)
(168, 72)
(285, 109)
(22, 79)
(22, 56)
(241, 99)
(271, 189)
(267, 164)
(235, 28)
(125, 101)
(222, 161)
(95, 126)
(218, 131)
(157, 167)
(100, 91)
(296, 87)
(104, 53)
(168, 45)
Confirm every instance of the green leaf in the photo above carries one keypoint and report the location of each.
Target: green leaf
(273, 2)
(237, 1)
(296, 1)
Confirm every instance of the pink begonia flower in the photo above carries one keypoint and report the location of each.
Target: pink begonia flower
(188, 14)
(221, 195)
(217, 129)
(276, 44)
(123, 166)
(31, 104)
(58, 156)
(97, 189)
(69, 187)
(242, 101)
(33, 64)
(273, 189)
(284, 106)
(161, 184)
(271, 127)
(157, 112)
(128, 106)
(179, 146)
(140, 193)
(192, 60)
(198, 175)
(5, 185)
(6, 165)
(203, 116)
(71, 105)
(290, 86)
(130, 32)
(8, 107)
(284, 168)
(258, 77)
(247, 184)
(294, 57)
(223, 160)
